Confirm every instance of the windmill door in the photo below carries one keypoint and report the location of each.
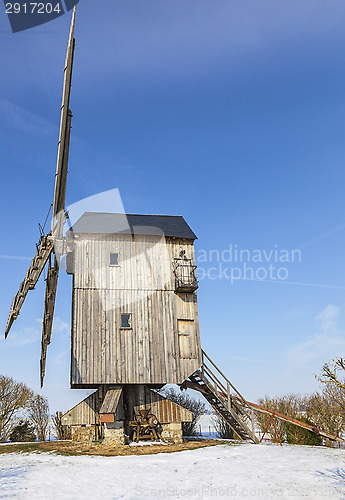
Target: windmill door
(186, 336)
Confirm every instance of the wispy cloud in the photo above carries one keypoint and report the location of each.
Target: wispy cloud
(195, 32)
(328, 342)
(25, 121)
(60, 326)
(14, 257)
(62, 358)
(328, 319)
(32, 334)
(322, 236)
(253, 360)
(25, 336)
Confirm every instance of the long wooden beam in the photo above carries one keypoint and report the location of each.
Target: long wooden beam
(294, 421)
(65, 126)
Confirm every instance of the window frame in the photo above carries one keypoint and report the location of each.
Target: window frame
(117, 259)
(129, 321)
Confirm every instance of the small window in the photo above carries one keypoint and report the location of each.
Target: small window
(114, 259)
(126, 321)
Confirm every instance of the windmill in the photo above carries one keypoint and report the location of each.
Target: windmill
(135, 324)
(45, 253)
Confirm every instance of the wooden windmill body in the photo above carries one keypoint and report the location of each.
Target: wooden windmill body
(135, 317)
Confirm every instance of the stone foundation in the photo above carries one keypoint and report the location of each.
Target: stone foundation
(114, 434)
(172, 432)
(83, 434)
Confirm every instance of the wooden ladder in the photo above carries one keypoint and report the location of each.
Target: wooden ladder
(224, 398)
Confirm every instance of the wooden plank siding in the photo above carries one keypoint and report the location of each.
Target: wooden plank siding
(111, 401)
(166, 411)
(142, 285)
(87, 411)
(139, 397)
(84, 413)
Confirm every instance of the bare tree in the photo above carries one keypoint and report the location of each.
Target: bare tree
(324, 414)
(336, 395)
(327, 409)
(331, 373)
(62, 431)
(38, 412)
(183, 398)
(223, 429)
(14, 397)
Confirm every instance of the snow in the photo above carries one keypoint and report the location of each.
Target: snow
(224, 471)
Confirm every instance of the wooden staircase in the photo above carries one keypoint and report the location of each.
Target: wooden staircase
(238, 413)
(224, 399)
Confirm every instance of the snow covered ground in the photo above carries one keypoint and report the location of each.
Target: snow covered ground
(236, 471)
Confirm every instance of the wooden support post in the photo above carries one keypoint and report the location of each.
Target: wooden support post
(228, 395)
(253, 421)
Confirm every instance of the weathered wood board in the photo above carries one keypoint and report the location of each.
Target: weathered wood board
(162, 343)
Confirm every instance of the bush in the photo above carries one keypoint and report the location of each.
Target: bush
(298, 435)
(22, 432)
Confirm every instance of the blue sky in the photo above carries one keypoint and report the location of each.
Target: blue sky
(228, 113)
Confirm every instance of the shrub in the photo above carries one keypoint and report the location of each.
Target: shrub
(22, 432)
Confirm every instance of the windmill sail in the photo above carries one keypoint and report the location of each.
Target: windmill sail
(49, 303)
(65, 128)
(58, 219)
(45, 248)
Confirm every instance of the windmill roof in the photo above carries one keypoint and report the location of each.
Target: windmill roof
(111, 223)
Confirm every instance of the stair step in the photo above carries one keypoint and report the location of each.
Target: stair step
(219, 403)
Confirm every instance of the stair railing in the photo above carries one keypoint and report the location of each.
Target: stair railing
(223, 388)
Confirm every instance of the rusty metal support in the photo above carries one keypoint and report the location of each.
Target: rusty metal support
(275, 428)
